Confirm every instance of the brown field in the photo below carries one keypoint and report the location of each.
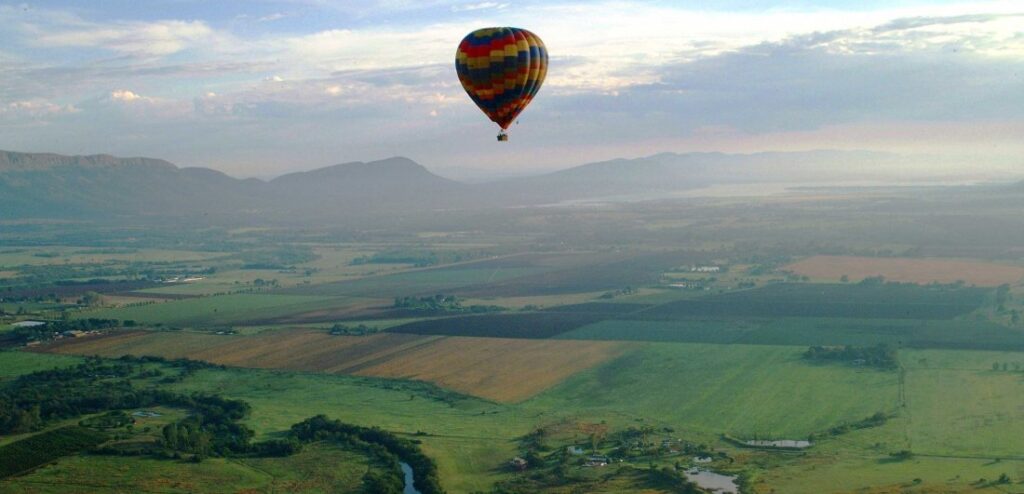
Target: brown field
(499, 369)
(494, 368)
(980, 273)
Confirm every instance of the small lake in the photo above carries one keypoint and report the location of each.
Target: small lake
(714, 482)
(407, 472)
(781, 443)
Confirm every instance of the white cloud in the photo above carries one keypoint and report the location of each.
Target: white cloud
(133, 38)
(35, 109)
(127, 96)
(479, 6)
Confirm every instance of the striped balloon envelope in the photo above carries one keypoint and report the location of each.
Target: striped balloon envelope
(501, 68)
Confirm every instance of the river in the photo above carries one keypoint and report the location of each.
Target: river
(407, 471)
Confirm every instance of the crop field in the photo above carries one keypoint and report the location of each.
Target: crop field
(878, 301)
(36, 256)
(596, 272)
(805, 331)
(40, 449)
(523, 325)
(423, 281)
(493, 368)
(303, 350)
(981, 273)
(225, 309)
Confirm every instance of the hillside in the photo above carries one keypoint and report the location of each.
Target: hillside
(102, 186)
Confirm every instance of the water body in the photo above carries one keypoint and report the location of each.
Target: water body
(407, 471)
(782, 443)
(714, 482)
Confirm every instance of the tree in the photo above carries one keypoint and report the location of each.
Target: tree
(91, 299)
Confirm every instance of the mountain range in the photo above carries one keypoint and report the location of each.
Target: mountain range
(38, 185)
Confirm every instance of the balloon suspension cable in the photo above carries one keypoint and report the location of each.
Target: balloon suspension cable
(502, 136)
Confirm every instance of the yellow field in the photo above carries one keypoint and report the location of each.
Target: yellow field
(499, 369)
(981, 273)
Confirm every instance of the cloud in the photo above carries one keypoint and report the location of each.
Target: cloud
(276, 16)
(133, 38)
(479, 6)
(127, 96)
(34, 109)
(623, 76)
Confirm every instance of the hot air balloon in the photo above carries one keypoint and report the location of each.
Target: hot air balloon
(501, 68)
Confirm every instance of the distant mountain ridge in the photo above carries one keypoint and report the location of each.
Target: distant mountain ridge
(45, 185)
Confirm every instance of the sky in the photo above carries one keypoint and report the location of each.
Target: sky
(264, 87)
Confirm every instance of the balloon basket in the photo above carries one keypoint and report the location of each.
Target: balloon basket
(502, 137)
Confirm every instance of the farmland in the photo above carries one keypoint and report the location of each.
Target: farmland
(492, 368)
(832, 268)
(868, 301)
(687, 321)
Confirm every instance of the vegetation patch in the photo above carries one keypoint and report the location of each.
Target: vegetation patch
(40, 449)
(865, 300)
(880, 356)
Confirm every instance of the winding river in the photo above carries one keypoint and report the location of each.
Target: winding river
(407, 471)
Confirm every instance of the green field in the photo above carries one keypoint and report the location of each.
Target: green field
(15, 363)
(220, 310)
(317, 469)
(737, 389)
(806, 331)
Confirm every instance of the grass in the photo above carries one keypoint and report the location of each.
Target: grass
(738, 389)
(14, 363)
(877, 475)
(470, 438)
(959, 406)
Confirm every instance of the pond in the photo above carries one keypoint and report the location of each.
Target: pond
(781, 443)
(714, 482)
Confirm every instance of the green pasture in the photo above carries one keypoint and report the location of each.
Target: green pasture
(340, 472)
(218, 310)
(14, 363)
(742, 390)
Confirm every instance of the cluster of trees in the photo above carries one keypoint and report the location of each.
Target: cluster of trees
(441, 303)
(382, 444)
(876, 420)
(33, 400)
(628, 290)
(881, 356)
(1005, 367)
(360, 330)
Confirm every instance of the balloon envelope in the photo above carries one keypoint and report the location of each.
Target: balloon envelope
(502, 69)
